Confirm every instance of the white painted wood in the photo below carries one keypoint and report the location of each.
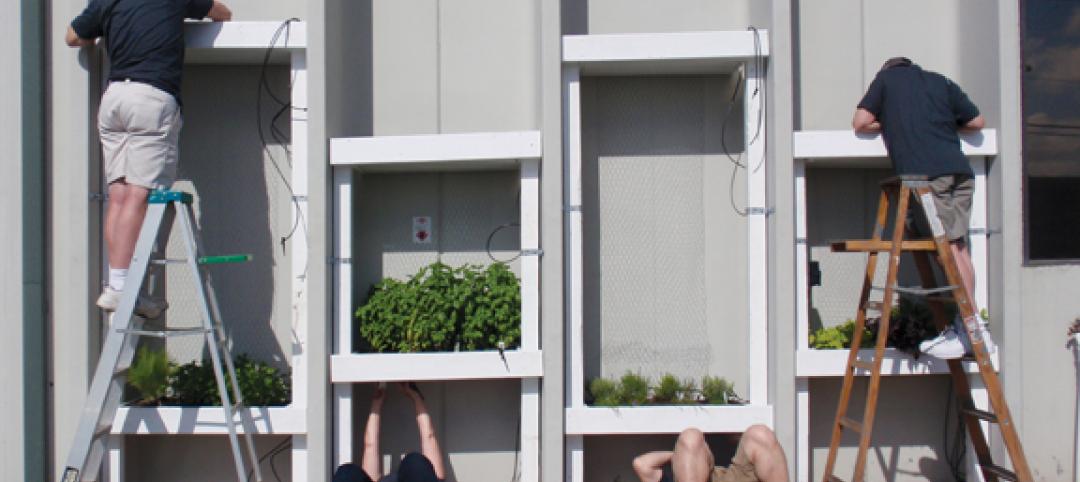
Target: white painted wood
(436, 148)
(757, 256)
(978, 237)
(205, 420)
(665, 419)
(255, 36)
(342, 337)
(113, 469)
(530, 264)
(392, 367)
(802, 429)
(529, 461)
(802, 261)
(831, 363)
(575, 458)
(645, 47)
(298, 244)
(981, 397)
(840, 144)
(575, 388)
(299, 458)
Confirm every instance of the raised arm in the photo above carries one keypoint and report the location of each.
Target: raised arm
(864, 122)
(649, 466)
(73, 39)
(370, 460)
(429, 443)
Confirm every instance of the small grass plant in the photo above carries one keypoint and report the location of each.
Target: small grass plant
(633, 389)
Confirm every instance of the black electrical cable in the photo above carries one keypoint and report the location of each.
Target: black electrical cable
(487, 245)
(281, 446)
(761, 93)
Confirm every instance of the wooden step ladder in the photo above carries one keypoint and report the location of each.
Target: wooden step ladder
(903, 189)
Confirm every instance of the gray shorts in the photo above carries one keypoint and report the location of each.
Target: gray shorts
(139, 126)
(952, 196)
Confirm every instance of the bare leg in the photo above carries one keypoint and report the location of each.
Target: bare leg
(429, 443)
(123, 220)
(765, 454)
(692, 460)
(967, 269)
(370, 460)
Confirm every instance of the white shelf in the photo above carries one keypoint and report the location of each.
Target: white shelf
(477, 365)
(668, 53)
(438, 151)
(205, 420)
(831, 363)
(241, 42)
(665, 419)
(847, 145)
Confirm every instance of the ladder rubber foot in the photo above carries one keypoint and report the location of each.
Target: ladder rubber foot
(1000, 472)
(851, 424)
(980, 414)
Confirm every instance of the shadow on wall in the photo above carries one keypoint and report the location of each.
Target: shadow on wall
(241, 200)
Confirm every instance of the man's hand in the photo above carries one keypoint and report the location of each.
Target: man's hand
(73, 39)
(974, 125)
(377, 399)
(864, 122)
(219, 12)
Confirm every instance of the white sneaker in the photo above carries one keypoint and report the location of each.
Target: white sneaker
(946, 346)
(144, 307)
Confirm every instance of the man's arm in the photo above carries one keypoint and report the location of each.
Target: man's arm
(649, 466)
(974, 125)
(73, 39)
(370, 460)
(429, 443)
(865, 122)
(219, 12)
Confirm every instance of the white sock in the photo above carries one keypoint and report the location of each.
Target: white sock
(117, 278)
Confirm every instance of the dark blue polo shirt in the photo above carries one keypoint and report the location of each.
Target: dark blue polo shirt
(920, 113)
(145, 38)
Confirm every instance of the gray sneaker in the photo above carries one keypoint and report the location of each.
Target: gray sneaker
(145, 307)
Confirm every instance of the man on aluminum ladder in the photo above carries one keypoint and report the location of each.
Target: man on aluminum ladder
(139, 118)
(919, 113)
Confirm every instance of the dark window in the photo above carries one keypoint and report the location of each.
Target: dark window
(1051, 98)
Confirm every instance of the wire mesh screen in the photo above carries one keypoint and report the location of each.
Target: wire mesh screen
(664, 250)
(242, 206)
(842, 204)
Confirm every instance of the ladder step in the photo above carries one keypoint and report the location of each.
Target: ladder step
(225, 258)
(833, 478)
(168, 333)
(165, 197)
(863, 365)
(980, 414)
(919, 290)
(851, 424)
(1000, 472)
(868, 245)
(164, 261)
(873, 306)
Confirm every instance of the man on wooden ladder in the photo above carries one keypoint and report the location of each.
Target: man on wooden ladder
(918, 114)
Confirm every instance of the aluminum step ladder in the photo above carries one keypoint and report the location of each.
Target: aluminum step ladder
(904, 190)
(125, 330)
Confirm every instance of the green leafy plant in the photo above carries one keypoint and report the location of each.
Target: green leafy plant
(149, 374)
(633, 389)
(668, 390)
(717, 390)
(605, 392)
(261, 384)
(440, 308)
(840, 336)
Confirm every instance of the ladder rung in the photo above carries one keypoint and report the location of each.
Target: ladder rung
(918, 290)
(866, 245)
(166, 333)
(863, 365)
(873, 306)
(981, 414)
(833, 478)
(1000, 472)
(851, 424)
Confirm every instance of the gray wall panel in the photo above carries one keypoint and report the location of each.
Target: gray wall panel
(629, 16)
(267, 10)
(405, 67)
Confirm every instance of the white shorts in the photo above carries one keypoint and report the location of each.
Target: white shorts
(139, 126)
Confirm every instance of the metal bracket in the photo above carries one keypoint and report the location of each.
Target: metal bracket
(759, 211)
(334, 260)
(573, 208)
(532, 252)
(99, 196)
(302, 199)
(983, 231)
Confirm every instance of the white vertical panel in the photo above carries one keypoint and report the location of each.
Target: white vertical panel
(114, 461)
(757, 240)
(802, 429)
(575, 458)
(299, 246)
(343, 178)
(530, 431)
(530, 265)
(981, 397)
(802, 259)
(978, 240)
(575, 278)
(299, 458)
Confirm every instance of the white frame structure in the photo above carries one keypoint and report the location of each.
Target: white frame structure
(847, 149)
(246, 42)
(439, 152)
(651, 54)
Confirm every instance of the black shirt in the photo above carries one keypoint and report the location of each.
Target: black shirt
(145, 38)
(920, 113)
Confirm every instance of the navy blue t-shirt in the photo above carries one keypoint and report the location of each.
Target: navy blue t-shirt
(145, 38)
(920, 113)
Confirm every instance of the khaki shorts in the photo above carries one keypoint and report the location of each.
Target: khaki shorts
(952, 201)
(139, 126)
(740, 470)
